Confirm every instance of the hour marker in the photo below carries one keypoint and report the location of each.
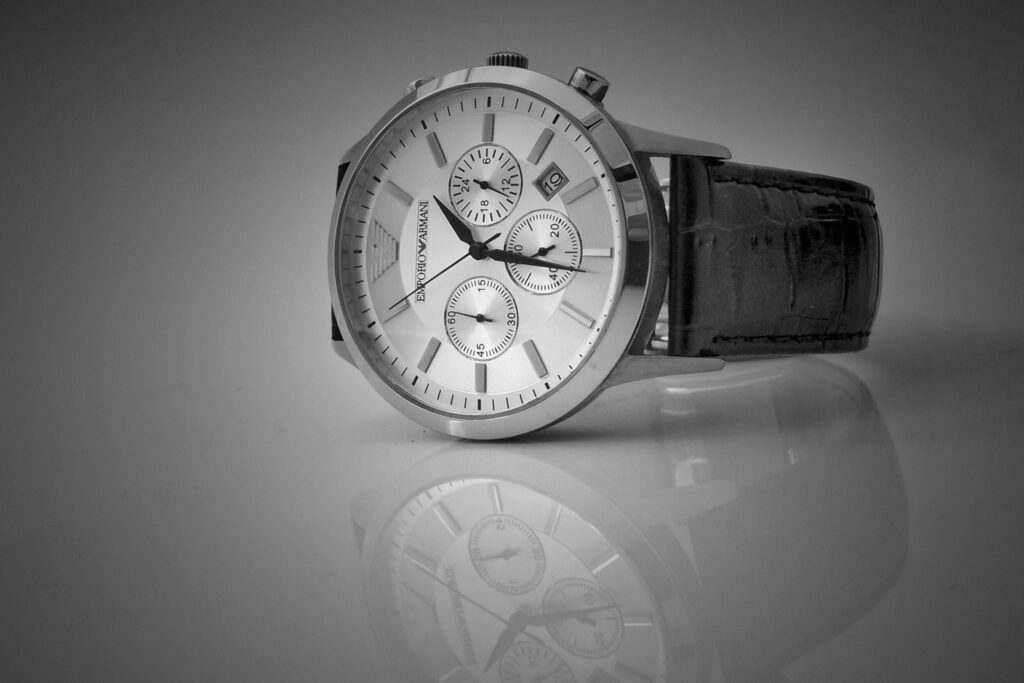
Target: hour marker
(488, 127)
(576, 314)
(540, 146)
(421, 560)
(481, 378)
(535, 360)
(447, 519)
(569, 196)
(603, 561)
(638, 619)
(553, 519)
(428, 354)
(400, 194)
(496, 497)
(435, 147)
(597, 251)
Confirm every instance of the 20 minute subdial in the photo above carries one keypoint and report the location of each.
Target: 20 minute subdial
(548, 235)
(485, 184)
(481, 318)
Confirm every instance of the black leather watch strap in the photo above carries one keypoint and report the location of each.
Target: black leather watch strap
(768, 261)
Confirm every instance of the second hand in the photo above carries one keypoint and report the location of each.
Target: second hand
(472, 601)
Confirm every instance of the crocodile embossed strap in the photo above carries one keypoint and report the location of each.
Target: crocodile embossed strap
(768, 261)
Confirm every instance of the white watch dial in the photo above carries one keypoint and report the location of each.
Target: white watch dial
(414, 228)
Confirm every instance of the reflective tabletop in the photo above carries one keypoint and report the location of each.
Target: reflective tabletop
(194, 487)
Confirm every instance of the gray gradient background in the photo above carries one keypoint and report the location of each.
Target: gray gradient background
(178, 445)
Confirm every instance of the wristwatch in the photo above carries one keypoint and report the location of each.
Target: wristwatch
(721, 556)
(500, 253)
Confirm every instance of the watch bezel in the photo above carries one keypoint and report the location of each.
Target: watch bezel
(640, 282)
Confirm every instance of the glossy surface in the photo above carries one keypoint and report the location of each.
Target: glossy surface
(181, 451)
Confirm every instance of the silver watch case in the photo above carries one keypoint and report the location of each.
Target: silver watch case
(623, 352)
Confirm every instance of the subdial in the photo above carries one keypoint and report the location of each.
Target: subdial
(481, 318)
(548, 235)
(507, 554)
(528, 662)
(592, 626)
(485, 184)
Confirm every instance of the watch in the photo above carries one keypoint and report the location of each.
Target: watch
(500, 252)
(722, 556)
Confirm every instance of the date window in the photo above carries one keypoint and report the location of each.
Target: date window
(550, 181)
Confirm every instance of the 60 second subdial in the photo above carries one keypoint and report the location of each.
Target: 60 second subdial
(481, 318)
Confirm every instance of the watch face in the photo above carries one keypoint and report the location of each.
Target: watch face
(491, 580)
(479, 253)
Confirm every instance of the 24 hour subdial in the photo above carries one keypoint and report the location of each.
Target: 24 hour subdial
(485, 184)
(507, 554)
(548, 235)
(592, 623)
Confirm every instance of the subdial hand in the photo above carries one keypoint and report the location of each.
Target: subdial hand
(479, 317)
(484, 185)
(543, 251)
(506, 554)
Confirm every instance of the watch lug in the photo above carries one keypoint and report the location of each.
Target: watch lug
(342, 350)
(353, 152)
(652, 142)
(632, 368)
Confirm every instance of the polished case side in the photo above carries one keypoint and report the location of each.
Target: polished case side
(619, 356)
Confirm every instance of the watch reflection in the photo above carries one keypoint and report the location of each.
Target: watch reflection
(707, 529)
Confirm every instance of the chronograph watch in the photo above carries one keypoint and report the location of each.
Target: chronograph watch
(500, 252)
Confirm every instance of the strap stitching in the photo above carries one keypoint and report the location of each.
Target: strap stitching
(828, 192)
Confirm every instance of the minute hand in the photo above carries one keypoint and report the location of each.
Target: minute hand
(514, 257)
(554, 617)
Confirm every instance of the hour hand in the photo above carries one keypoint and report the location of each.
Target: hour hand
(461, 229)
(516, 623)
(484, 185)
